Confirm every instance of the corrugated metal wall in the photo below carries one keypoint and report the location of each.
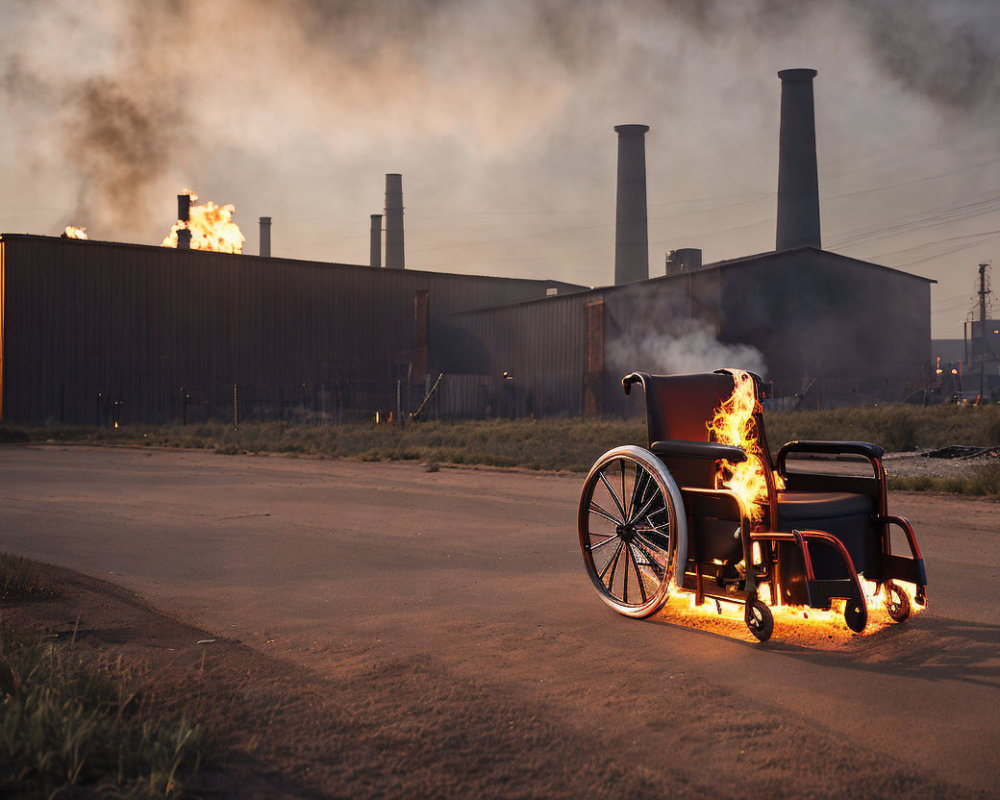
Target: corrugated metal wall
(856, 332)
(92, 330)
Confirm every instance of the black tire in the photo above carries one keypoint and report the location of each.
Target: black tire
(856, 615)
(759, 620)
(629, 521)
(897, 602)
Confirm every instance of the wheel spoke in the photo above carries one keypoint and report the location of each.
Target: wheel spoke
(645, 506)
(638, 577)
(611, 561)
(651, 559)
(593, 547)
(638, 490)
(628, 550)
(621, 466)
(611, 491)
(596, 509)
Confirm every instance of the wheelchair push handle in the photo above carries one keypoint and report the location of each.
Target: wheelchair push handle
(633, 377)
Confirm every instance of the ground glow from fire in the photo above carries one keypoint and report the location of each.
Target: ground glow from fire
(211, 226)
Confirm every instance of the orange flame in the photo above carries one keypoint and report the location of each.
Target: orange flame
(73, 232)
(211, 226)
(734, 424)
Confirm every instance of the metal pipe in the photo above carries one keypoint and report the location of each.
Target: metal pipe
(798, 183)
(265, 237)
(631, 235)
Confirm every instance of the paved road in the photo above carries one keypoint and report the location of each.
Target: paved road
(342, 565)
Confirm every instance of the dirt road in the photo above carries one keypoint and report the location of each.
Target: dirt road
(381, 576)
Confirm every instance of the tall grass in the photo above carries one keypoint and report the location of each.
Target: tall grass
(70, 721)
(21, 579)
(561, 444)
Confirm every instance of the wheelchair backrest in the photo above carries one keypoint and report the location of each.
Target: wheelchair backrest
(679, 408)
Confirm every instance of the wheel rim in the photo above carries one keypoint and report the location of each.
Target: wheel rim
(628, 527)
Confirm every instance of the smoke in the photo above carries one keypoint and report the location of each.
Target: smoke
(669, 334)
(691, 348)
(134, 100)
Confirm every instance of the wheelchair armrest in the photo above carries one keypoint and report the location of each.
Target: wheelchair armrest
(872, 452)
(711, 450)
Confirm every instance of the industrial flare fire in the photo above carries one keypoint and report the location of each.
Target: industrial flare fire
(211, 226)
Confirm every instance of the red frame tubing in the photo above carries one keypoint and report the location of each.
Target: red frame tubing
(919, 575)
(802, 539)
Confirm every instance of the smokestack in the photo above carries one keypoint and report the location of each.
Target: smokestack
(394, 221)
(265, 237)
(376, 249)
(631, 237)
(798, 184)
(184, 215)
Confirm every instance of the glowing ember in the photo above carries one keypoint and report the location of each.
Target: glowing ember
(73, 232)
(211, 226)
(734, 424)
(799, 625)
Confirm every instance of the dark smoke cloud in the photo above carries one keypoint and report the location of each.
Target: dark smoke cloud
(181, 79)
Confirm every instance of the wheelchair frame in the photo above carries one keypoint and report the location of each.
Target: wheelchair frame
(655, 525)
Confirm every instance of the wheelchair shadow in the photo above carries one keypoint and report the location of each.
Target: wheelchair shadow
(927, 647)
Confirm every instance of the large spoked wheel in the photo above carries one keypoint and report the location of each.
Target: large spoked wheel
(631, 523)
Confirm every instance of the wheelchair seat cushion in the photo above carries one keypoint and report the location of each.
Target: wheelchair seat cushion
(801, 506)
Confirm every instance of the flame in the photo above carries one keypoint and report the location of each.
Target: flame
(801, 625)
(73, 232)
(211, 226)
(734, 424)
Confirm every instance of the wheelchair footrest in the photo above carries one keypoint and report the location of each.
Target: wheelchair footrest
(821, 592)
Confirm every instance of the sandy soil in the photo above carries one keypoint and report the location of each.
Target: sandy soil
(408, 633)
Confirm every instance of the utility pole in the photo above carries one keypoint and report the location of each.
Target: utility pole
(984, 290)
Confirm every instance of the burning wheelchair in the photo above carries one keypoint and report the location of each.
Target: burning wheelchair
(703, 508)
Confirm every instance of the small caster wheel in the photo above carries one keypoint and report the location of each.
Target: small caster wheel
(897, 602)
(921, 597)
(856, 615)
(759, 620)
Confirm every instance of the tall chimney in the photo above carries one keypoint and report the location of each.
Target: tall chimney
(265, 237)
(376, 248)
(394, 221)
(184, 215)
(798, 184)
(631, 237)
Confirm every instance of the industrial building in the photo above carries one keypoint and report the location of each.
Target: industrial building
(101, 333)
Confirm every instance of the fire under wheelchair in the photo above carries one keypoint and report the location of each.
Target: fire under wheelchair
(670, 517)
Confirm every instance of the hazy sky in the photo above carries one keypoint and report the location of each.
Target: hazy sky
(500, 115)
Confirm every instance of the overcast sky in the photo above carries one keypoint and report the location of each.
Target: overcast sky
(500, 116)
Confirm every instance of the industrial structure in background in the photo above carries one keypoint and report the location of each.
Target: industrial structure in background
(98, 332)
(968, 369)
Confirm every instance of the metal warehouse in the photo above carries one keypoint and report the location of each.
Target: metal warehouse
(95, 332)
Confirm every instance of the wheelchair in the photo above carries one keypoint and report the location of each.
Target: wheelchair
(666, 518)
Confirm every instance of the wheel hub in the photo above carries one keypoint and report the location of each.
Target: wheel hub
(626, 532)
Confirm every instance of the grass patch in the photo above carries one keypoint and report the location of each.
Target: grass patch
(71, 721)
(985, 482)
(21, 579)
(544, 444)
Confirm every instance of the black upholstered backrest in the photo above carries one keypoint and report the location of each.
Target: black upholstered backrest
(679, 407)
